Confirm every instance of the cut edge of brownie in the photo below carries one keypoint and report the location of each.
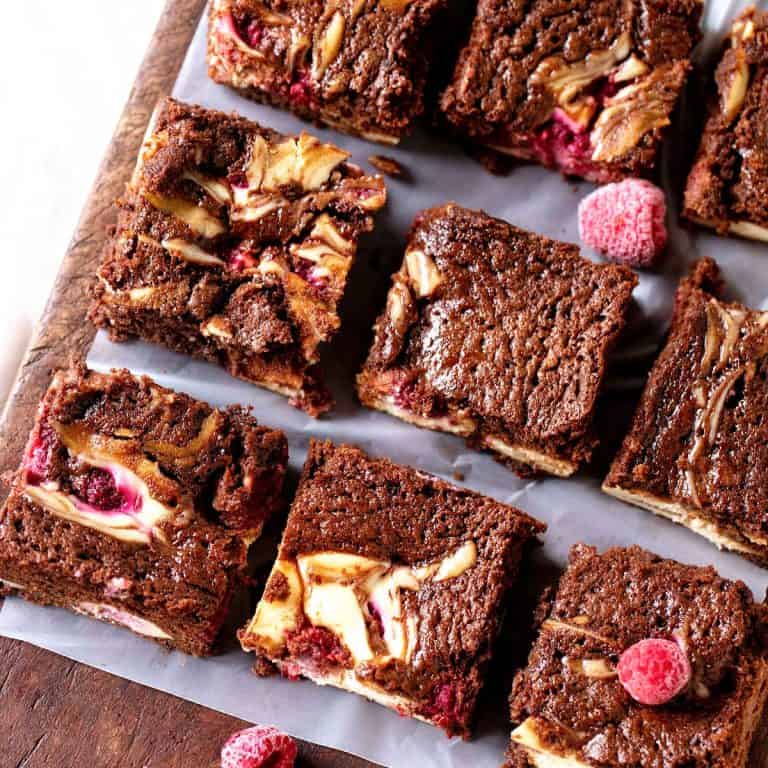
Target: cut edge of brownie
(518, 455)
(722, 536)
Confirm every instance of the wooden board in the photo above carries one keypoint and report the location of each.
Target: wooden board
(55, 713)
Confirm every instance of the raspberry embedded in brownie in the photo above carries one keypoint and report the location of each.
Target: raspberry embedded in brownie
(586, 88)
(233, 244)
(642, 661)
(497, 335)
(357, 65)
(727, 187)
(137, 505)
(697, 450)
(389, 583)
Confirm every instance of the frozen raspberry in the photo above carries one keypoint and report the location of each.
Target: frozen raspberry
(625, 221)
(259, 747)
(654, 671)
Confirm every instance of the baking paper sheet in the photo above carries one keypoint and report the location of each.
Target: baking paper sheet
(575, 509)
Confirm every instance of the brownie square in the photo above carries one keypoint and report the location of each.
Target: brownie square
(584, 87)
(233, 244)
(137, 505)
(697, 451)
(359, 65)
(569, 706)
(727, 187)
(498, 335)
(389, 583)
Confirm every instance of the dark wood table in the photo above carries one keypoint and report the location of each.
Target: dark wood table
(55, 713)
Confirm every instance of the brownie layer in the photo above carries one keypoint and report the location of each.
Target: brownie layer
(727, 187)
(233, 244)
(498, 335)
(389, 583)
(357, 65)
(697, 451)
(586, 87)
(137, 505)
(570, 708)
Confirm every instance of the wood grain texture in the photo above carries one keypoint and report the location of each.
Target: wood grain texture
(55, 713)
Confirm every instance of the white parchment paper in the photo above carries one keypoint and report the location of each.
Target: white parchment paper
(575, 509)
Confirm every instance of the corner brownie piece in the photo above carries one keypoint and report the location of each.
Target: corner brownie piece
(697, 451)
(585, 87)
(233, 244)
(727, 188)
(498, 335)
(137, 505)
(356, 65)
(572, 704)
(389, 583)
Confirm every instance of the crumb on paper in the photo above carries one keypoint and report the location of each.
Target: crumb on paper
(389, 166)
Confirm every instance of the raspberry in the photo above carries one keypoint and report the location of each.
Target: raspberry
(259, 747)
(99, 489)
(40, 455)
(625, 221)
(300, 91)
(654, 671)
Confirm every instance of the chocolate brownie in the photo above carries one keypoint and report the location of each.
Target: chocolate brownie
(357, 65)
(585, 87)
(575, 705)
(697, 451)
(498, 335)
(389, 583)
(727, 188)
(233, 244)
(137, 505)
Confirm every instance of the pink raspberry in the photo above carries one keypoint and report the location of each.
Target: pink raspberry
(259, 747)
(625, 221)
(654, 671)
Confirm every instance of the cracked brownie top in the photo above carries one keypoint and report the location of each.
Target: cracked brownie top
(359, 65)
(569, 701)
(728, 184)
(505, 330)
(583, 86)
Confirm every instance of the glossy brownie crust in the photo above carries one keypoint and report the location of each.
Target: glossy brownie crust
(137, 505)
(697, 450)
(586, 87)
(356, 65)
(233, 244)
(438, 562)
(727, 188)
(579, 713)
(498, 335)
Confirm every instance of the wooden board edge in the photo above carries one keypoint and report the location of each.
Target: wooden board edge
(63, 332)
